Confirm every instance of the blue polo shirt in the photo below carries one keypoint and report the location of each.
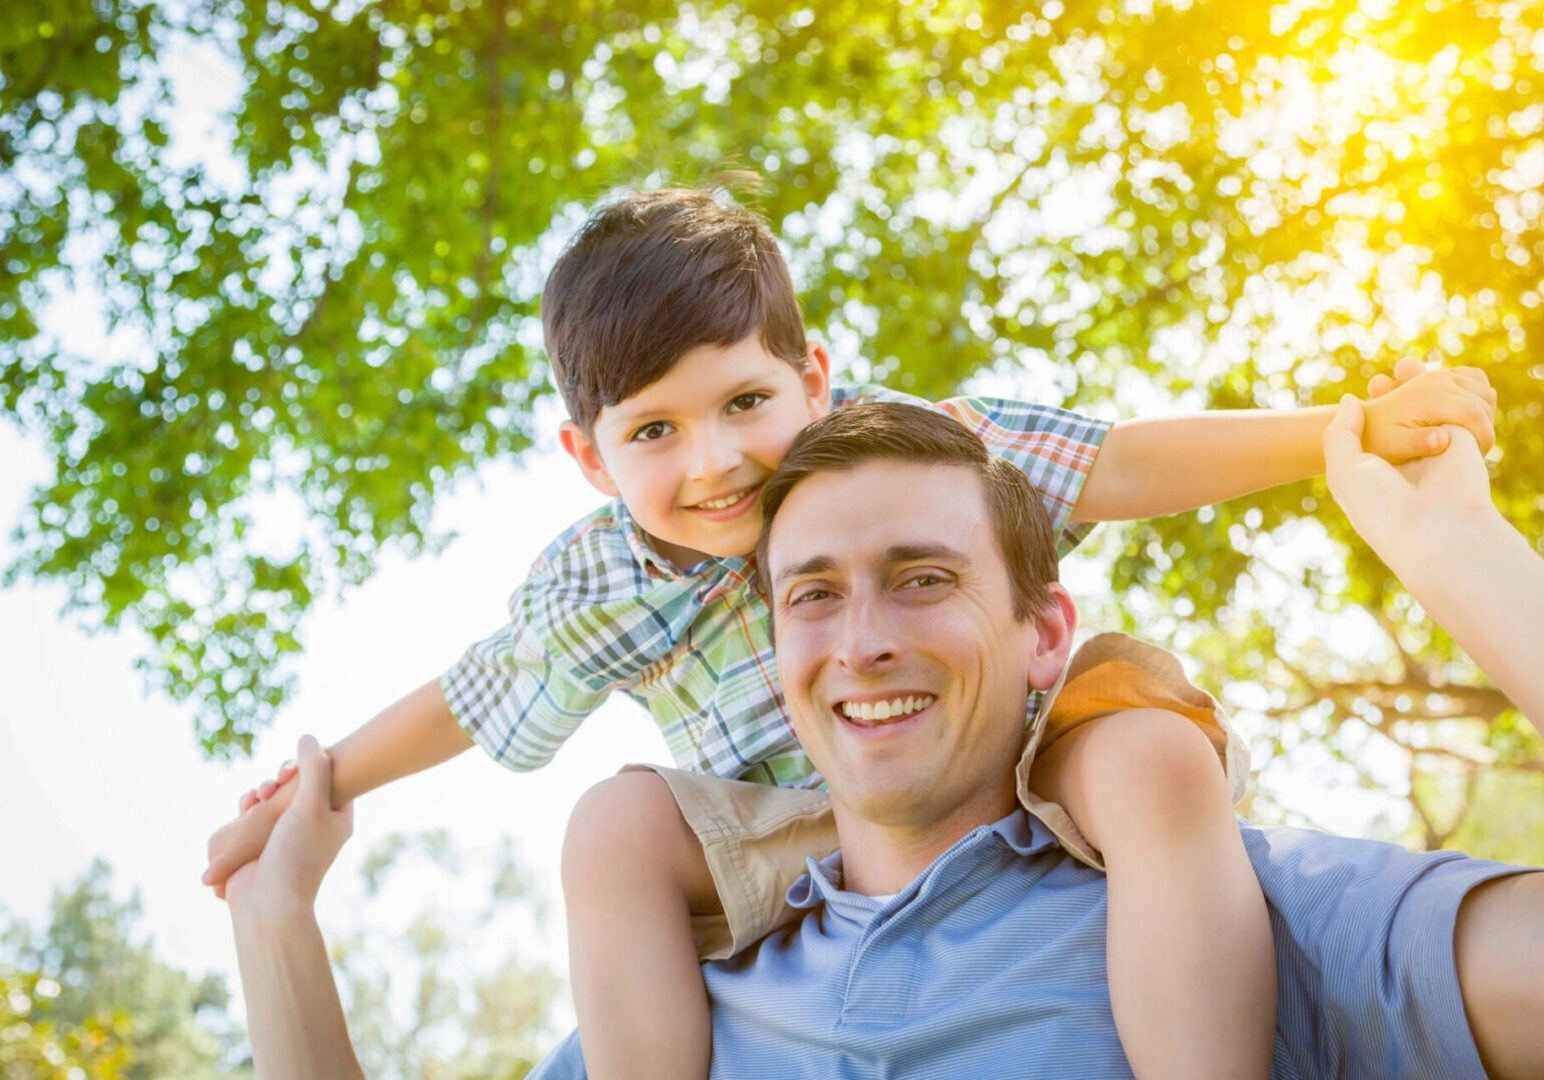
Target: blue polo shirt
(991, 963)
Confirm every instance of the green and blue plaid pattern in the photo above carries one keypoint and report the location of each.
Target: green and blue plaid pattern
(602, 613)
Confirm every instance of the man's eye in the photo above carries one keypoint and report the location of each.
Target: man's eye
(807, 596)
(922, 581)
(650, 432)
(747, 402)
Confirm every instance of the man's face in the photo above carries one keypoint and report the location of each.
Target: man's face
(904, 668)
(689, 452)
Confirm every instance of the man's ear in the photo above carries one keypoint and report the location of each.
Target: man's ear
(1054, 625)
(817, 380)
(580, 447)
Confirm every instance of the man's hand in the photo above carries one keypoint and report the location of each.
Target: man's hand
(1406, 415)
(1390, 505)
(241, 839)
(304, 841)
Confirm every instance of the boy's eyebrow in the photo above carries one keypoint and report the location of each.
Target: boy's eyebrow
(632, 415)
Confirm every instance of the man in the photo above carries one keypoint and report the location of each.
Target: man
(949, 935)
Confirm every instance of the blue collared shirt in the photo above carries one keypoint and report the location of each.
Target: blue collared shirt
(992, 964)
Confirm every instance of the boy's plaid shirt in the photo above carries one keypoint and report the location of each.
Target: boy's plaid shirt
(601, 612)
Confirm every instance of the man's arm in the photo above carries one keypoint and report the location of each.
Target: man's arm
(1149, 468)
(293, 1012)
(1434, 524)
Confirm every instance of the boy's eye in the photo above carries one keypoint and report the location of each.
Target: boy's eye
(649, 432)
(747, 402)
(804, 596)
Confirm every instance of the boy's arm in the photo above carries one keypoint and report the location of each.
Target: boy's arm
(1149, 468)
(411, 735)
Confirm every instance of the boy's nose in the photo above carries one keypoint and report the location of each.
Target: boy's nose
(714, 454)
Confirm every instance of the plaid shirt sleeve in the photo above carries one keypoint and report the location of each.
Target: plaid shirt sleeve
(568, 644)
(1053, 447)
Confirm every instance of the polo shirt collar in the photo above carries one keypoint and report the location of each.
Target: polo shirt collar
(1022, 832)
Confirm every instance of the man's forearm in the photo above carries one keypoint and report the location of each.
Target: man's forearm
(294, 1017)
(1478, 578)
(1149, 468)
(413, 734)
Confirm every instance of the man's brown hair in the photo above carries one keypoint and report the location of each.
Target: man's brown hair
(650, 277)
(890, 431)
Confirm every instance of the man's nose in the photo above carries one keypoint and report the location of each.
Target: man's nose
(715, 453)
(868, 640)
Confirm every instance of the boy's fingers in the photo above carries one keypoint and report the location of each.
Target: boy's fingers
(1408, 368)
(247, 802)
(1475, 380)
(1379, 385)
(1476, 417)
(266, 789)
(220, 867)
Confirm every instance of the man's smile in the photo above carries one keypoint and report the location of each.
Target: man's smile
(875, 712)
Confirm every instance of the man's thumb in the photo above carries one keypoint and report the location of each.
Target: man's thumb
(315, 766)
(1343, 436)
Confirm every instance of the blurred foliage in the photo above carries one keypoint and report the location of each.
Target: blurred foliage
(35, 1046)
(322, 311)
(441, 992)
(84, 994)
(447, 994)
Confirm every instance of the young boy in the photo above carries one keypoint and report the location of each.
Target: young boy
(675, 337)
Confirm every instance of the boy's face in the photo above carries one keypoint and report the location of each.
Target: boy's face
(689, 452)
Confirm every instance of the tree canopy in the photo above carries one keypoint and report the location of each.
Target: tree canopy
(330, 316)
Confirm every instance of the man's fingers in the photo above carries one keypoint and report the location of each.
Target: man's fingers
(1343, 436)
(247, 802)
(315, 793)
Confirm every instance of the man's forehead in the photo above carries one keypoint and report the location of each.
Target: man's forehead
(880, 509)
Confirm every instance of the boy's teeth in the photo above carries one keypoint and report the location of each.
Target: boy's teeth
(719, 504)
(885, 710)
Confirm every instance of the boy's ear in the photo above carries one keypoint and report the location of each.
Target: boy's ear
(580, 447)
(817, 380)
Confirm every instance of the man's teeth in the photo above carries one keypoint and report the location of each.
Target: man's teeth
(886, 710)
(719, 504)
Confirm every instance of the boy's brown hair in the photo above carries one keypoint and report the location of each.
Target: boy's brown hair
(893, 431)
(650, 277)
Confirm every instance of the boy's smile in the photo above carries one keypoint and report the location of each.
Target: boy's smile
(689, 452)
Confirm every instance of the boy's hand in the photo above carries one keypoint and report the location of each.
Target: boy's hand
(1404, 417)
(241, 840)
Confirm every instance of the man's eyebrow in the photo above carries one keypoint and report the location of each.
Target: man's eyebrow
(818, 564)
(896, 553)
(899, 553)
